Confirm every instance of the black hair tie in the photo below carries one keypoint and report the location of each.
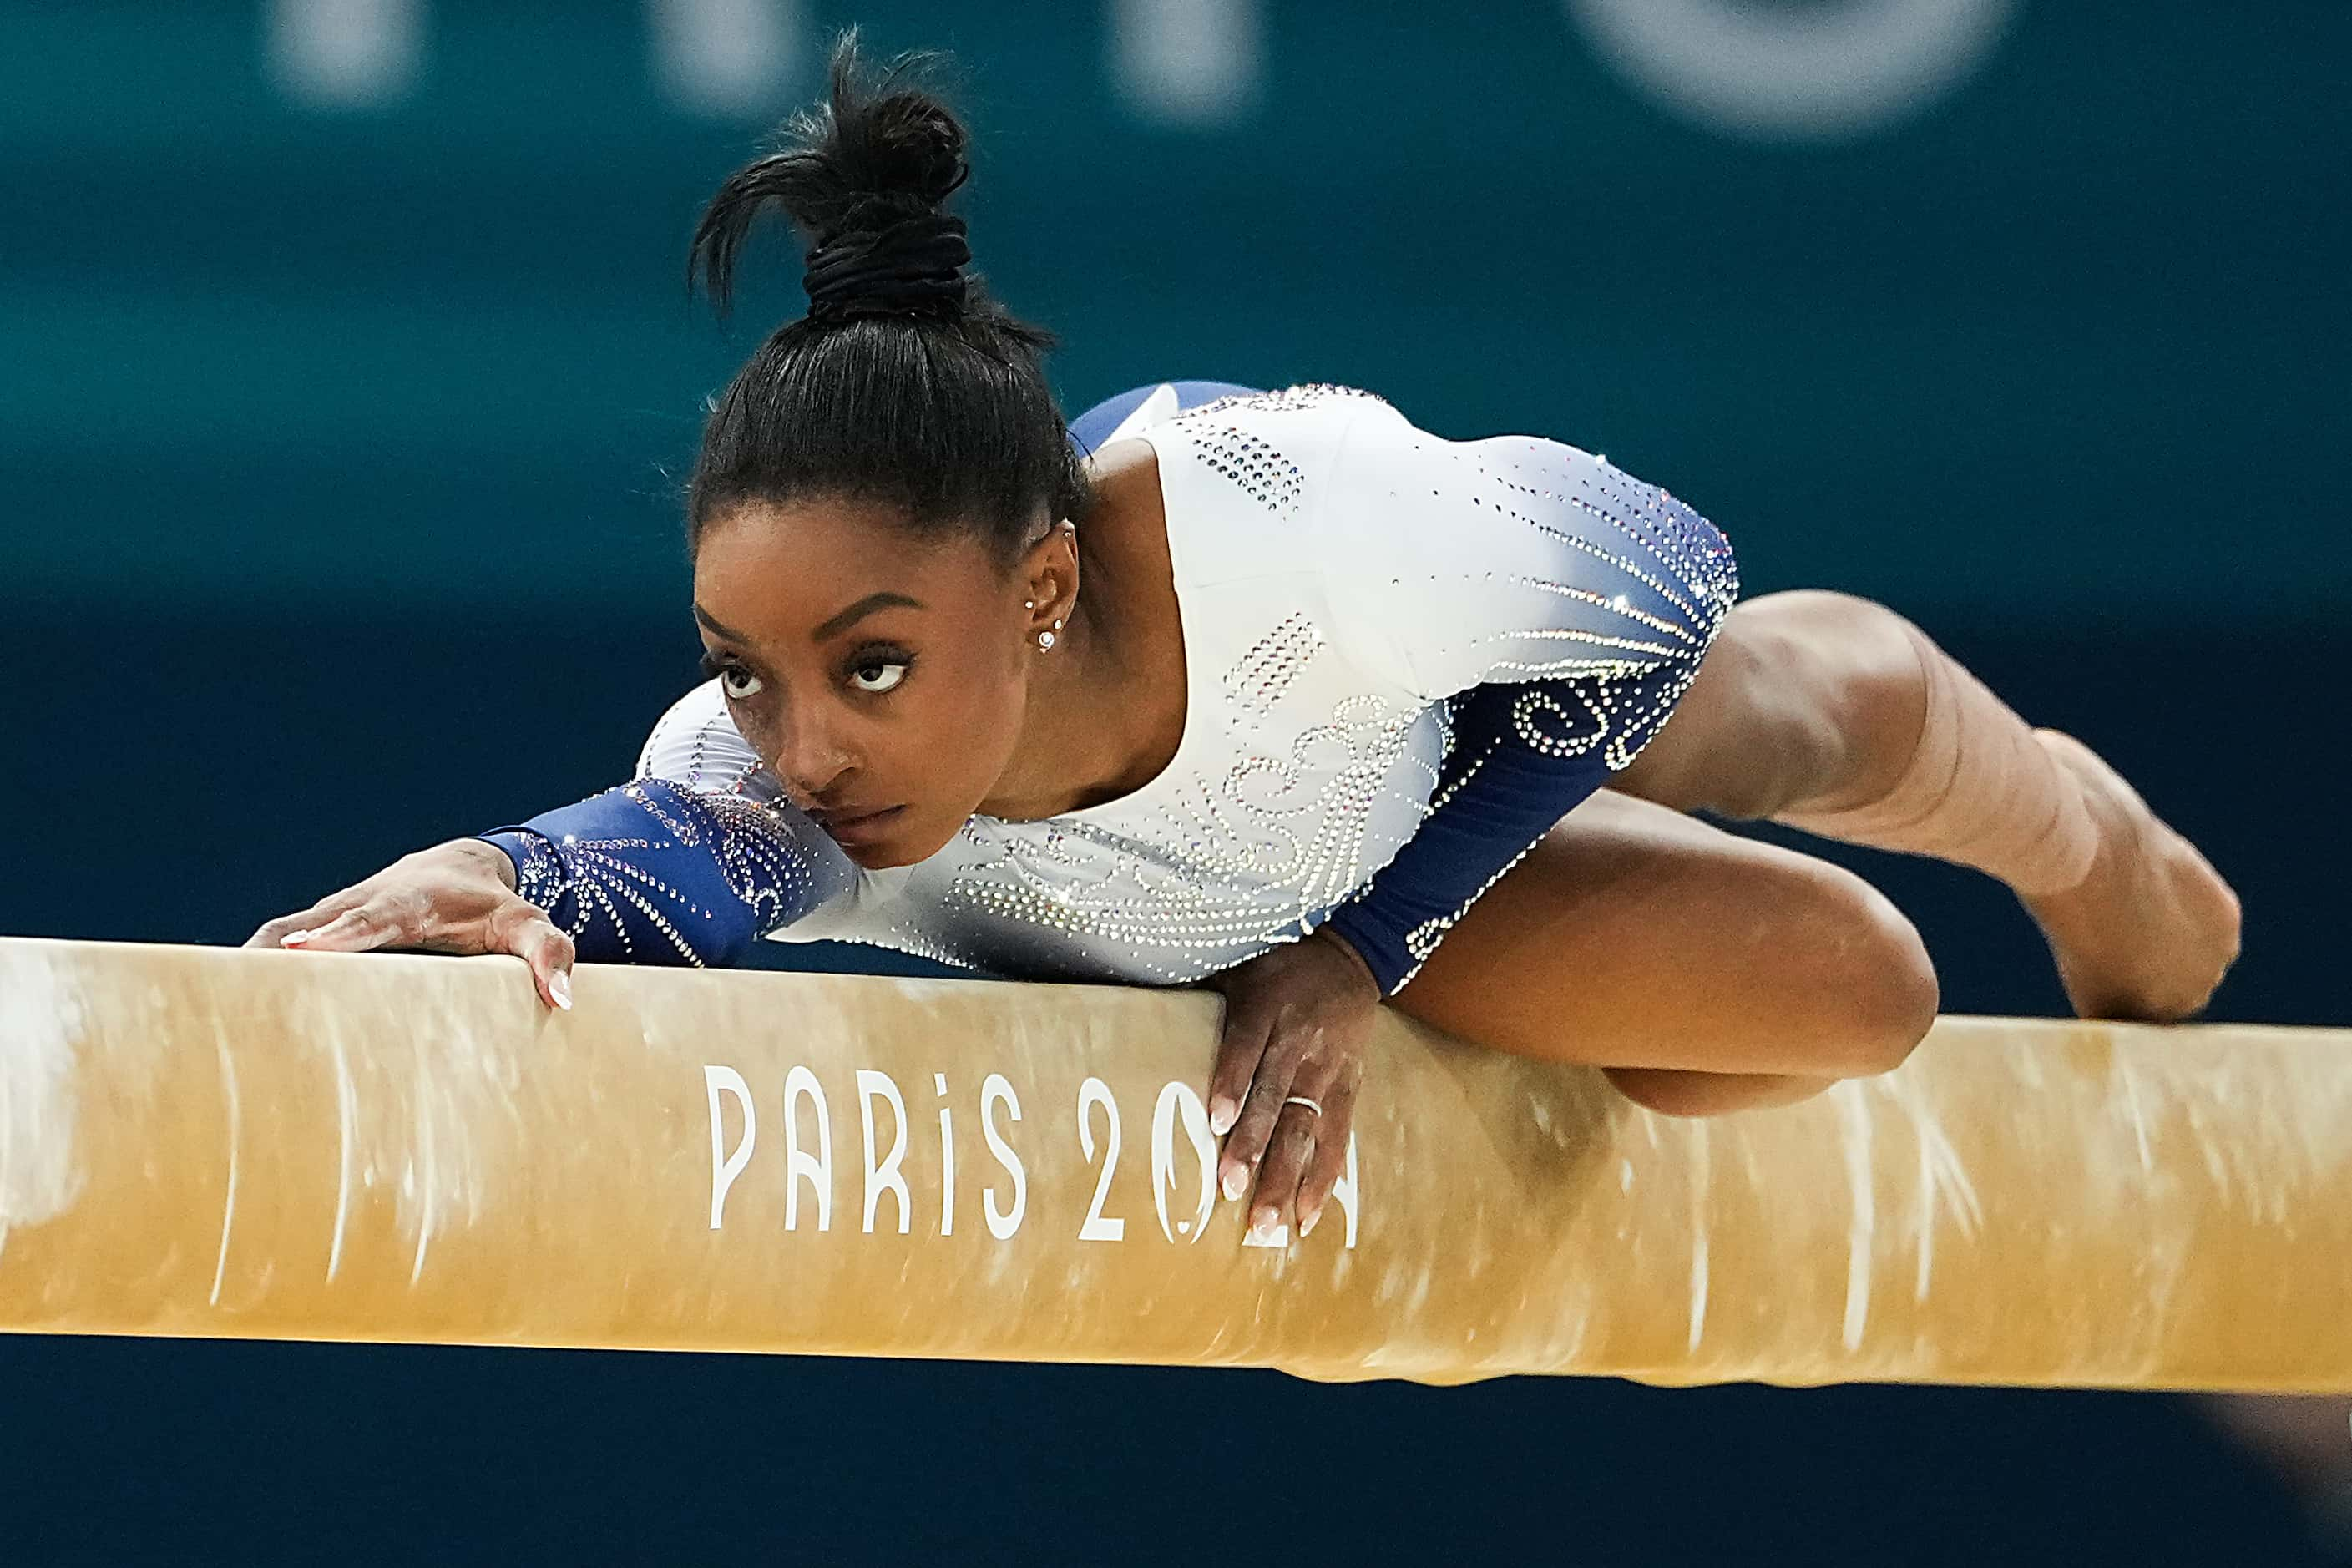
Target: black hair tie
(911, 264)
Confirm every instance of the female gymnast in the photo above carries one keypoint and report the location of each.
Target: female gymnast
(1277, 693)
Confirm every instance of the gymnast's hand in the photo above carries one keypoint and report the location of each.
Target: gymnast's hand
(457, 897)
(1296, 1020)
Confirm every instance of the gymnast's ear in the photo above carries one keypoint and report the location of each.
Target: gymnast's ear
(1046, 574)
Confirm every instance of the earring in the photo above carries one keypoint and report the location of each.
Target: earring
(1028, 603)
(1044, 641)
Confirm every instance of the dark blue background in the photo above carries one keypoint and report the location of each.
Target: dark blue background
(335, 459)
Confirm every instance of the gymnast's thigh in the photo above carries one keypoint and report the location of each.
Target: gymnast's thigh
(1633, 935)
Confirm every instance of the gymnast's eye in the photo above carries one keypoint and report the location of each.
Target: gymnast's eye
(887, 672)
(726, 672)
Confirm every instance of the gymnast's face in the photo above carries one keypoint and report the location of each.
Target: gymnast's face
(871, 670)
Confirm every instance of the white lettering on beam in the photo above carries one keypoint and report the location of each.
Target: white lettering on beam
(799, 1165)
(725, 1166)
(1177, 1101)
(1001, 1223)
(1092, 1093)
(1182, 1170)
(885, 1177)
(947, 1159)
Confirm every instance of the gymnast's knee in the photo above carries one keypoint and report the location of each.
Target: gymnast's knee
(1852, 990)
(1879, 993)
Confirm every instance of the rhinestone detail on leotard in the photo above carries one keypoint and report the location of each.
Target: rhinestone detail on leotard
(1312, 764)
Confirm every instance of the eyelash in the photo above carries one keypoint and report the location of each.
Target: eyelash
(715, 666)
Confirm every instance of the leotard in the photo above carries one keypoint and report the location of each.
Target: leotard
(1406, 659)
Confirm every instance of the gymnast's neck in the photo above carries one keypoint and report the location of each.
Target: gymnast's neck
(1107, 708)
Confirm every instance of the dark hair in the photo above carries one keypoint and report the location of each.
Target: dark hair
(939, 409)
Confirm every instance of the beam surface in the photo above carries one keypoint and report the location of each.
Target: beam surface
(408, 1148)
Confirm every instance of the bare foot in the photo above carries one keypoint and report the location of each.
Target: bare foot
(2151, 931)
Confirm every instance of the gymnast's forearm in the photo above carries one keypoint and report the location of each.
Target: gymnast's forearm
(639, 875)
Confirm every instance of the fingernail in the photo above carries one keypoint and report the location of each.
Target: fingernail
(1307, 1221)
(559, 985)
(294, 939)
(1222, 1113)
(1263, 1224)
(1236, 1180)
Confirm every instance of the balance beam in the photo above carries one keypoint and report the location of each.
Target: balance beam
(393, 1147)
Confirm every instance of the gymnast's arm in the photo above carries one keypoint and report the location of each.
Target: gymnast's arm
(690, 863)
(1559, 607)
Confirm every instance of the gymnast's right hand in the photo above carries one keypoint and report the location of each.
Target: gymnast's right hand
(458, 897)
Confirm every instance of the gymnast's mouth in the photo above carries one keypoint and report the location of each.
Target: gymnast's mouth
(861, 827)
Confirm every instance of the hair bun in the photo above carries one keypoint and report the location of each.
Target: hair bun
(911, 264)
(864, 176)
(911, 148)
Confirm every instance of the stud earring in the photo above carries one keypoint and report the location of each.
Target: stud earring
(1044, 641)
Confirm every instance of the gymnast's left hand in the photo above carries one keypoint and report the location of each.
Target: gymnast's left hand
(1297, 1018)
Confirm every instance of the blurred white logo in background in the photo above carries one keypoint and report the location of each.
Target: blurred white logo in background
(724, 57)
(720, 58)
(1809, 70)
(1827, 70)
(343, 54)
(1200, 63)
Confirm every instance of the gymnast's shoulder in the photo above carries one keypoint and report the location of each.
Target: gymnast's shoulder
(1439, 563)
(1244, 479)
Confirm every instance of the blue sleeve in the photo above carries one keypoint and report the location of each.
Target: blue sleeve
(1498, 791)
(690, 864)
(1557, 606)
(653, 872)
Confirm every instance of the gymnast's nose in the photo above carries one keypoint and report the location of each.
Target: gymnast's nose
(811, 760)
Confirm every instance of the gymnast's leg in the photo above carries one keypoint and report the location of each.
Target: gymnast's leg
(1707, 972)
(1835, 715)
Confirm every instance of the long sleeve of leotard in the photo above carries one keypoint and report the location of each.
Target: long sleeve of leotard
(1557, 605)
(690, 863)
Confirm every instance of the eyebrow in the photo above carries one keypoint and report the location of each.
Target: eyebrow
(834, 626)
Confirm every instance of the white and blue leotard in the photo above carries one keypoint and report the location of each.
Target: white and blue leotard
(1406, 659)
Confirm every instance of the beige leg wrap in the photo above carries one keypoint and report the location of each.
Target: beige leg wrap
(1980, 791)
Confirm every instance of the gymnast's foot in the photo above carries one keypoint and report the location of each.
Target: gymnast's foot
(2151, 931)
